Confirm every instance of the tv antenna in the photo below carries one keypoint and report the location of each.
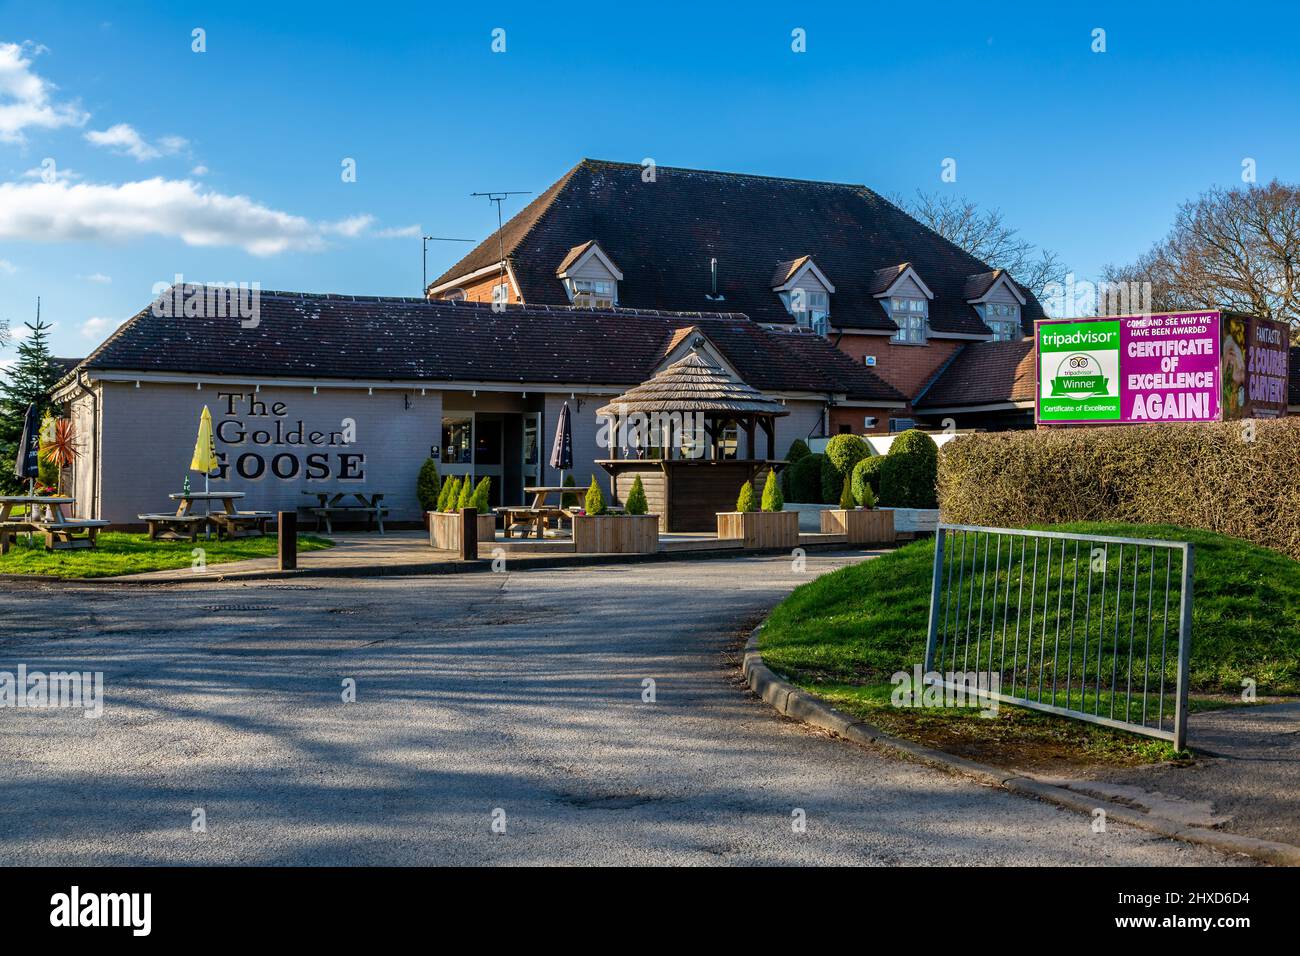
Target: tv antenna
(498, 198)
(424, 289)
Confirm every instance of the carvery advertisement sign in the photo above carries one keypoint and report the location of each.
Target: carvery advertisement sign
(1167, 367)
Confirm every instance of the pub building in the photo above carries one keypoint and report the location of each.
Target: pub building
(336, 392)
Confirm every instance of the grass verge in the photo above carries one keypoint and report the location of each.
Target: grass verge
(843, 635)
(118, 553)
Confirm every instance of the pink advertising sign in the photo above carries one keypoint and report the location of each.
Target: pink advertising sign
(1169, 367)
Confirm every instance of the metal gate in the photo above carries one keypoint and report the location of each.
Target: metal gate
(1116, 614)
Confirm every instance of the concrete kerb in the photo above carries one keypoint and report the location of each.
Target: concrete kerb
(421, 568)
(800, 705)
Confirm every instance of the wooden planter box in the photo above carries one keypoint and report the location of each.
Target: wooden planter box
(862, 526)
(444, 530)
(616, 534)
(760, 529)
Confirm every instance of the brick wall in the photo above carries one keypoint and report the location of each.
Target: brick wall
(906, 367)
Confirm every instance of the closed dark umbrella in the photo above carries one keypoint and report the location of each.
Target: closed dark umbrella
(26, 465)
(562, 450)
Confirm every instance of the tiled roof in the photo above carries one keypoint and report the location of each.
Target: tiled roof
(785, 270)
(300, 335)
(985, 373)
(882, 279)
(663, 235)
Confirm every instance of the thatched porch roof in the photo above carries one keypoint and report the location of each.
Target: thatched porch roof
(694, 384)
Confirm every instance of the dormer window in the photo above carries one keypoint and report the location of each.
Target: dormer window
(912, 316)
(1004, 319)
(592, 293)
(806, 293)
(590, 277)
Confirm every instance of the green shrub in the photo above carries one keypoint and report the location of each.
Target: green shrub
(746, 501)
(595, 504)
(806, 480)
(451, 492)
(636, 503)
(865, 479)
(482, 497)
(466, 498)
(569, 500)
(1204, 476)
(772, 500)
(909, 474)
(442, 495)
(428, 486)
(798, 449)
(846, 496)
(842, 453)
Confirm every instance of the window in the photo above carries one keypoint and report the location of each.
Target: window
(811, 310)
(911, 316)
(501, 293)
(593, 293)
(1004, 319)
(457, 437)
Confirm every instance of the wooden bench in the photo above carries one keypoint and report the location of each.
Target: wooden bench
(63, 535)
(536, 518)
(374, 513)
(10, 528)
(173, 527)
(240, 524)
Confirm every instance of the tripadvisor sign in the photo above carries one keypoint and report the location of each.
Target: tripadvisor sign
(1169, 367)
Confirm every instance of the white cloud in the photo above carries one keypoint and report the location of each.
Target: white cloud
(399, 232)
(51, 173)
(95, 327)
(7, 267)
(178, 209)
(21, 330)
(123, 139)
(199, 170)
(25, 101)
(96, 277)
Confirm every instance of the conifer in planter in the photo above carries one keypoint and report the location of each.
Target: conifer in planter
(857, 519)
(600, 532)
(760, 529)
(458, 493)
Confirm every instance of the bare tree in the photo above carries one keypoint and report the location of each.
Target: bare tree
(985, 234)
(1234, 249)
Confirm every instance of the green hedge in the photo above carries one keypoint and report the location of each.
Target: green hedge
(842, 453)
(909, 473)
(806, 480)
(866, 475)
(1236, 478)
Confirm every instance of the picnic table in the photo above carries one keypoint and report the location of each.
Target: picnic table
(184, 524)
(332, 504)
(539, 515)
(45, 514)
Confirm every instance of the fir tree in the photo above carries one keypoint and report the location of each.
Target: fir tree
(29, 382)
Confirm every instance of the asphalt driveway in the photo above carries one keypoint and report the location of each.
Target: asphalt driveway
(511, 697)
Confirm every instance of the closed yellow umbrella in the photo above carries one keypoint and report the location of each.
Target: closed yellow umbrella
(205, 455)
(205, 448)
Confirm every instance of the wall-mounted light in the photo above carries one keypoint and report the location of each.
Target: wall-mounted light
(198, 386)
(313, 389)
(137, 383)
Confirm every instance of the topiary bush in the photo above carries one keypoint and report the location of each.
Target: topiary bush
(466, 496)
(451, 494)
(1209, 476)
(865, 479)
(636, 503)
(772, 500)
(842, 453)
(806, 480)
(909, 475)
(595, 503)
(746, 501)
(846, 497)
(481, 499)
(428, 486)
(567, 499)
(798, 449)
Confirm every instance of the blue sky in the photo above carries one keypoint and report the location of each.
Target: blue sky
(225, 165)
